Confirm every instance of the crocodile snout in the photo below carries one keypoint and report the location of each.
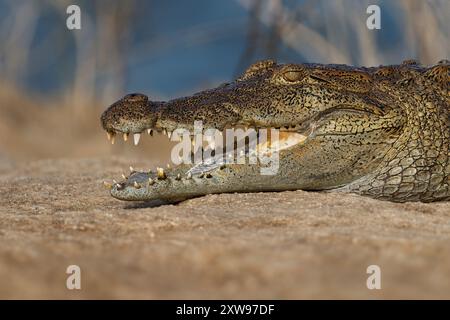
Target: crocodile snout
(132, 114)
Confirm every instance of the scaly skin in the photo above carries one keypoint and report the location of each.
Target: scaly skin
(381, 131)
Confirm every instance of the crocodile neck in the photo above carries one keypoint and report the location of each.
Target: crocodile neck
(417, 167)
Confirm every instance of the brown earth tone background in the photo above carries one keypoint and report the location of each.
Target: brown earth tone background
(54, 213)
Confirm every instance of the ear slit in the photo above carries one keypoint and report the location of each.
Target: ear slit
(318, 79)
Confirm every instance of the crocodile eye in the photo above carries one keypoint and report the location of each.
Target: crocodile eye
(293, 75)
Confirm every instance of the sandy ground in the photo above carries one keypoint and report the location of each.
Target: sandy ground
(55, 213)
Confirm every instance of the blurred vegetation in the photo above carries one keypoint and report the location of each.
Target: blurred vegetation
(94, 65)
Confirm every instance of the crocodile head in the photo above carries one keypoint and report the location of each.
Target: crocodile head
(336, 129)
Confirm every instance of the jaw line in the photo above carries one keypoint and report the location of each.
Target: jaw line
(286, 140)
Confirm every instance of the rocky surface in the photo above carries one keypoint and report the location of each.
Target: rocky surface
(288, 245)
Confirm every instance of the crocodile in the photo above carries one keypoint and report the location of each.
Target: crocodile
(382, 132)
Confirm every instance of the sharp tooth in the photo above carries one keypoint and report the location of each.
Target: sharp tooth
(168, 166)
(150, 181)
(114, 181)
(136, 137)
(107, 185)
(136, 185)
(165, 131)
(124, 176)
(189, 175)
(169, 134)
(109, 135)
(131, 169)
(125, 136)
(160, 173)
(112, 140)
(178, 177)
(149, 131)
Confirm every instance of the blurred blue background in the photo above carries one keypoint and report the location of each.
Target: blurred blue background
(55, 82)
(171, 48)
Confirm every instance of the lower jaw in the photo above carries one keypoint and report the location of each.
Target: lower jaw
(144, 186)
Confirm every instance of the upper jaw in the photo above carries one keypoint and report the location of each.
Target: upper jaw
(135, 114)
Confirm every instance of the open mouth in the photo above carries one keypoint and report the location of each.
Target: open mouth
(228, 146)
(284, 138)
(285, 132)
